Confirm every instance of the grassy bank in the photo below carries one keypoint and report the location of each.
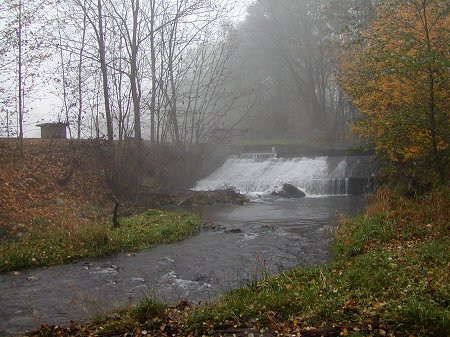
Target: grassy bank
(44, 246)
(389, 278)
(390, 273)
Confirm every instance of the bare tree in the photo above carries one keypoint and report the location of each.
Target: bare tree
(131, 31)
(184, 25)
(151, 20)
(80, 74)
(212, 91)
(94, 14)
(22, 52)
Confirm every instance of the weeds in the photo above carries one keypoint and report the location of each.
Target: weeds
(148, 309)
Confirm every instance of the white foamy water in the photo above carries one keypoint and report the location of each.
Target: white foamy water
(255, 175)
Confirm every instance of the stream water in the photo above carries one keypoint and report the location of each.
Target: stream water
(267, 235)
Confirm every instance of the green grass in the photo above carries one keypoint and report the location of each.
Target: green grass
(149, 309)
(396, 290)
(361, 231)
(44, 247)
(147, 318)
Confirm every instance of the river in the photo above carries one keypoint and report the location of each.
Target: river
(263, 236)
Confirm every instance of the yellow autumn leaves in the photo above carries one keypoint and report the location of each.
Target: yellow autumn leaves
(397, 76)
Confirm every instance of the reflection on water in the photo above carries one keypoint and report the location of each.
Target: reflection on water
(265, 236)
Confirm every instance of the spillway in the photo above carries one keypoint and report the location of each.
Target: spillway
(264, 173)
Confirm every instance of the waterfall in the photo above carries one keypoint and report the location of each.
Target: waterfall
(264, 173)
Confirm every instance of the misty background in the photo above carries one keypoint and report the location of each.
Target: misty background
(179, 71)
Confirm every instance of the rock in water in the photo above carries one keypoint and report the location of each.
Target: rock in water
(233, 231)
(290, 191)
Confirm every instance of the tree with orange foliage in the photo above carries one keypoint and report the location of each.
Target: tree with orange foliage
(397, 76)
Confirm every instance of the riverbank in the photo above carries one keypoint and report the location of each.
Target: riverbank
(57, 202)
(389, 278)
(88, 232)
(74, 240)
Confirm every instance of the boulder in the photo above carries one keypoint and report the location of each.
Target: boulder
(289, 191)
(293, 192)
(233, 231)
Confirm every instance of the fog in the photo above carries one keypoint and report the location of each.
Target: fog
(186, 71)
(266, 117)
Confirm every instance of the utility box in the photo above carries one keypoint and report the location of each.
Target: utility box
(53, 130)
